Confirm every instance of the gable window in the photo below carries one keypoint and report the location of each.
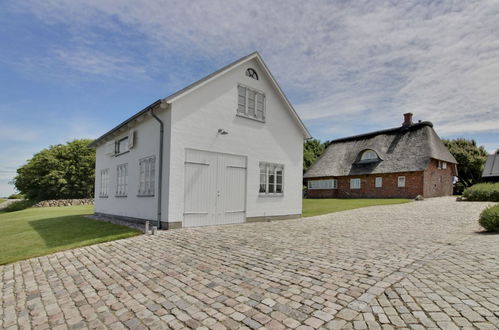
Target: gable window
(401, 181)
(378, 182)
(271, 179)
(121, 145)
(121, 180)
(323, 184)
(354, 183)
(104, 183)
(442, 165)
(250, 72)
(250, 103)
(146, 176)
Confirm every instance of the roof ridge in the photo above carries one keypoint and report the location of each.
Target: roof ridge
(383, 131)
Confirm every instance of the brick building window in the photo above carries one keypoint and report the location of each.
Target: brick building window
(378, 182)
(442, 165)
(323, 184)
(354, 183)
(401, 181)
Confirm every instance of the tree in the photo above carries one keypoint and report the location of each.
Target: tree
(59, 172)
(470, 157)
(312, 149)
(497, 152)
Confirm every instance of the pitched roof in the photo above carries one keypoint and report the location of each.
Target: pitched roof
(491, 168)
(206, 79)
(400, 149)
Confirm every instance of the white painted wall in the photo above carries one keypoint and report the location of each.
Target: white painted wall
(146, 144)
(196, 118)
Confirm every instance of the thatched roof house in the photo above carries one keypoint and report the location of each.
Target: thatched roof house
(411, 152)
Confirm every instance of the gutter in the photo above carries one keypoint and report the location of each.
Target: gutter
(160, 172)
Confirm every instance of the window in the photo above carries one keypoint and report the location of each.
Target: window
(378, 182)
(104, 183)
(121, 145)
(250, 103)
(271, 179)
(369, 155)
(442, 165)
(323, 184)
(250, 72)
(354, 183)
(401, 181)
(146, 176)
(121, 180)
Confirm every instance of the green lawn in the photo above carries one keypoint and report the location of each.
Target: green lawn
(313, 207)
(40, 231)
(2, 200)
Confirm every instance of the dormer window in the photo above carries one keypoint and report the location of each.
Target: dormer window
(250, 72)
(367, 156)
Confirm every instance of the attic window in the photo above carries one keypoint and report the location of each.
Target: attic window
(369, 155)
(250, 72)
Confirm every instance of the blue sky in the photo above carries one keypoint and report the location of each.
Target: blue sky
(71, 69)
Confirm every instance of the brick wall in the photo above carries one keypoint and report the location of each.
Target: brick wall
(438, 182)
(432, 182)
(389, 188)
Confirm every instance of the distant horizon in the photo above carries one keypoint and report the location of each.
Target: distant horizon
(347, 68)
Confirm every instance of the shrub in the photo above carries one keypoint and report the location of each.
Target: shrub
(489, 218)
(16, 196)
(18, 206)
(482, 192)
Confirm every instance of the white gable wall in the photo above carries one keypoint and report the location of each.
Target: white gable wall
(146, 144)
(196, 118)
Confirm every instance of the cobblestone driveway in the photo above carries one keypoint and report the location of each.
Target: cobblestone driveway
(418, 265)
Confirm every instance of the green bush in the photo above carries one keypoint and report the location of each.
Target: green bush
(16, 196)
(489, 218)
(482, 192)
(18, 206)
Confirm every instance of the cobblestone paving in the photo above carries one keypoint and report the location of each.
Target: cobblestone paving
(418, 265)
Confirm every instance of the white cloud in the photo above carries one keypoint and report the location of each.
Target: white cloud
(370, 61)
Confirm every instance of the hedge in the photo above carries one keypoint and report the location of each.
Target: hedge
(482, 192)
(489, 218)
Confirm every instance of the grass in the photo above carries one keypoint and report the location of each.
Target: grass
(2, 200)
(40, 231)
(313, 207)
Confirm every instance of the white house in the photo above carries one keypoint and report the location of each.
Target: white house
(226, 149)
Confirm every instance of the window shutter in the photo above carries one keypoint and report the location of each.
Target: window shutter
(110, 148)
(131, 139)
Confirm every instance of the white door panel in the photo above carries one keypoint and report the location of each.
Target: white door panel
(215, 188)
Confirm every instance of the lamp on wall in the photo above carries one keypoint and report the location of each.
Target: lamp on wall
(222, 131)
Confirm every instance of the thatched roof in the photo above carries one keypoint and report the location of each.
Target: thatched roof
(491, 168)
(400, 149)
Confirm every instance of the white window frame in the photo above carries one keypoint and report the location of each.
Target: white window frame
(121, 180)
(269, 172)
(243, 103)
(442, 165)
(147, 176)
(401, 181)
(378, 182)
(122, 146)
(323, 184)
(355, 183)
(369, 154)
(104, 183)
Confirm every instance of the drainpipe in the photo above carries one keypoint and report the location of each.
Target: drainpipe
(160, 174)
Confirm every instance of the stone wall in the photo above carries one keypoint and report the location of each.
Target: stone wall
(65, 202)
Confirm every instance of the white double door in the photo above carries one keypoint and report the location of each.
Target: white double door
(215, 188)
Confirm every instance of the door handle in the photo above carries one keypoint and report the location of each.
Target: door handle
(218, 193)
